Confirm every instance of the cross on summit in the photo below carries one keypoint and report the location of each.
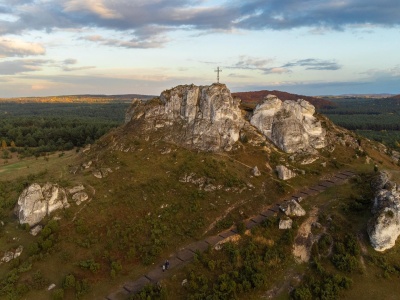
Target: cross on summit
(218, 70)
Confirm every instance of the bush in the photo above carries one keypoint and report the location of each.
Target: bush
(69, 281)
(57, 294)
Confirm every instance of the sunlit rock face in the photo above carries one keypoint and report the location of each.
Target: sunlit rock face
(205, 118)
(289, 124)
(36, 202)
(384, 226)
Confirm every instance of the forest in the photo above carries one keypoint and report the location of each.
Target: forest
(377, 119)
(35, 128)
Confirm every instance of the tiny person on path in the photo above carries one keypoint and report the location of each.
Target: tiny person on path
(163, 268)
(166, 264)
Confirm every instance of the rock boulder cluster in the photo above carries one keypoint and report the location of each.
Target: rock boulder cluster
(384, 226)
(208, 118)
(289, 124)
(205, 118)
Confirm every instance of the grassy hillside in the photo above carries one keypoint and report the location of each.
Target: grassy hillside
(142, 211)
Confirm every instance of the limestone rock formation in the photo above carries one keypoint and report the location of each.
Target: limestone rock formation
(293, 209)
(285, 173)
(9, 255)
(290, 124)
(285, 223)
(205, 118)
(80, 197)
(76, 189)
(384, 226)
(36, 202)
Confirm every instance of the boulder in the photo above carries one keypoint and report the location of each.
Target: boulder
(80, 197)
(285, 223)
(76, 189)
(35, 230)
(36, 202)
(293, 209)
(9, 255)
(290, 124)
(97, 174)
(384, 227)
(255, 172)
(284, 173)
(18, 251)
(196, 117)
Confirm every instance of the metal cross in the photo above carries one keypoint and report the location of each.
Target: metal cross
(218, 70)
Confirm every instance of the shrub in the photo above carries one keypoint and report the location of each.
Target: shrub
(57, 294)
(69, 281)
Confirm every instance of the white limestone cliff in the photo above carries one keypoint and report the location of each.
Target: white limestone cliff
(200, 117)
(289, 124)
(36, 202)
(384, 226)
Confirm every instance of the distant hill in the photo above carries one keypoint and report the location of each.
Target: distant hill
(251, 99)
(397, 97)
(358, 96)
(78, 99)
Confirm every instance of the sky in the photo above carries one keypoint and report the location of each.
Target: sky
(308, 47)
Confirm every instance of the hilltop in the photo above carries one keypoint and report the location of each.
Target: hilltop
(251, 99)
(185, 166)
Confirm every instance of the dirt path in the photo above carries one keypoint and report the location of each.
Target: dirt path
(304, 239)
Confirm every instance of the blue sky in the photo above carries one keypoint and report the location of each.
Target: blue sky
(311, 47)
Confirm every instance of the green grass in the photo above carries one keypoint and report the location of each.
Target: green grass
(57, 166)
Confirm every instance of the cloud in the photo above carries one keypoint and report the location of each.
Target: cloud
(96, 7)
(148, 22)
(70, 61)
(379, 73)
(333, 14)
(314, 64)
(134, 43)
(21, 66)
(235, 75)
(246, 62)
(14, 47)
(66, 64)
(276, 70)
(70, 69)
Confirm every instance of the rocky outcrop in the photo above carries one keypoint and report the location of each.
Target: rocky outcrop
(9, 255)
(284, 173)
(289, 124)
(80, 197)
(36, 202)
(384, 226)
(293, 209)
(255, 172)
(285, 223)
(199, 117)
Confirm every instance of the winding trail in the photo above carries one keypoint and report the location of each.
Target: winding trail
(186, 254)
